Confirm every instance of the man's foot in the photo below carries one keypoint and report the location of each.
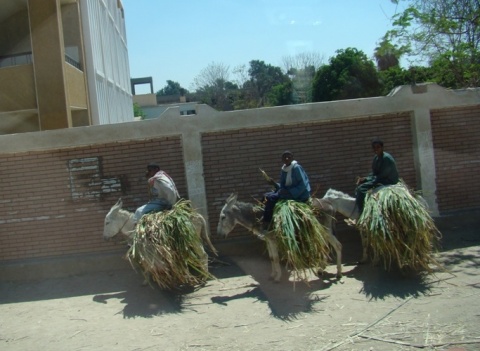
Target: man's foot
(351, 222)
(264, 230)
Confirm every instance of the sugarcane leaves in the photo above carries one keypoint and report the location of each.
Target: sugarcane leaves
(399, 229)
(269, 179)
(300, 237)
(167, 248)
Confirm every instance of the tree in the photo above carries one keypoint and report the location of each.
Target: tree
(214, 88)
(138, 112)
(263, 79)
(210, 75)
(387, 55)
(281, 94)
(172, 88)
(221, 95)
(444, 33)
(240, 75)
(348, 75)
(396, 76)
(301, 70)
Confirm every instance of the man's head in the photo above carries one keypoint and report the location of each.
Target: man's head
(287, 158)
(377, 146)
(152, 168)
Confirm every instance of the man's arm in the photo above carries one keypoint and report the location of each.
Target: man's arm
(388, 172)
(299, 182)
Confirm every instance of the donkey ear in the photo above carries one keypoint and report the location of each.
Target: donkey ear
(232, 199)
(119, 203)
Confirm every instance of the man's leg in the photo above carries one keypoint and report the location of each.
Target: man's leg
(361, 193)
(271, 199)
(152, 206)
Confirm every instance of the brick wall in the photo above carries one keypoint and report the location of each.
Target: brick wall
(54, 203)
(456, 140)
(332, 153)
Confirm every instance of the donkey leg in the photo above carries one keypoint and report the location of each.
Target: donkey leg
(338, 250)
(337, 246)
(364, 258)
(204, 258)
(274, 258)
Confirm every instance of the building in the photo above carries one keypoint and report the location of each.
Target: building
(153, 106)
(63, 64)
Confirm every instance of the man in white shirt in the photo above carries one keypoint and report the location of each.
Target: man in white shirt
(162, 189)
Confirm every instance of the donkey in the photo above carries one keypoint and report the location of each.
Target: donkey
(347, 206)
(120, 221)
(247, 215)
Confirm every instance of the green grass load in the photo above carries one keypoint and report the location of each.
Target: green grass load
(167, 249)
(399, 229)
(301, 239)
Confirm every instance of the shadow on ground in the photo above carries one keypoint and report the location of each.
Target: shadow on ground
(286, 300)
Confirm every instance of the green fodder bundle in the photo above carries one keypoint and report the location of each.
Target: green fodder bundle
(399, 229)
(167, 248)
(301, 239)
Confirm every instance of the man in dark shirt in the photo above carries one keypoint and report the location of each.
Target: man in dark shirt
(384, 172)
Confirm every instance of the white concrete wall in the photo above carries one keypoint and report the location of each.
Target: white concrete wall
(107, 65)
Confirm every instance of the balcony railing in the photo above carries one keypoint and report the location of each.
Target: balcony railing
(16, 59)
(26, 58)
(73, 62)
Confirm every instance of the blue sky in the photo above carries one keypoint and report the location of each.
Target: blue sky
(175, 40)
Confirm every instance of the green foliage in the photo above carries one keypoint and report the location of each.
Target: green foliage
(138, 112)
(445, 34)
(396, 76)
(456, 73)
(387, 55)
(172, 88)
(300, 237)
(267, 86)
(280, 94)
(348, 75)
(214, 88)
(220, 95)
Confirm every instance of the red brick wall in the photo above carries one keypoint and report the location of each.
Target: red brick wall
(332, 153)
(54, 203)
(456, 141)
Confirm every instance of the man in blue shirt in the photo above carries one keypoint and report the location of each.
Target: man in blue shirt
(294, 185)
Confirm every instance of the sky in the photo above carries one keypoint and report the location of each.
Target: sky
(176, 40)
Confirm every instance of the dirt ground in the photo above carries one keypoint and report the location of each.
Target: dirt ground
(243, 310)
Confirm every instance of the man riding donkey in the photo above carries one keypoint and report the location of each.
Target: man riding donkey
(162, 190)
(294, 185)
(384, 172)
(158, 226)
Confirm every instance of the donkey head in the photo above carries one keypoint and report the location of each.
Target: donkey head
(227, 220)
(114, 222)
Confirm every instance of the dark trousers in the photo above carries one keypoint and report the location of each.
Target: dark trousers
(271, 199)
(361, 193)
